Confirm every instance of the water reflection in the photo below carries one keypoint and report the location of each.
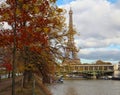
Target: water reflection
(71, 91)
(87, 87)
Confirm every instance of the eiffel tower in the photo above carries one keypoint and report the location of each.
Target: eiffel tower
(71, 50)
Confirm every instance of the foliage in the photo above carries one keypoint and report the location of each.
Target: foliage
(39, 33)
(8, 66)
(100, 62)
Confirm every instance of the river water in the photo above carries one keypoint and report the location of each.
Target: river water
(86, 87)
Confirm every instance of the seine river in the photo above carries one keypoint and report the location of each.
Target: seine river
(87, 87)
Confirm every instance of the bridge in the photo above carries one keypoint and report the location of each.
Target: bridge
(86, 69)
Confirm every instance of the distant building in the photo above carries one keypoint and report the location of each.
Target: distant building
(116, 71)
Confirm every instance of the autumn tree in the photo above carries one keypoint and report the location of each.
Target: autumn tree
(39, 33)
(100, 62)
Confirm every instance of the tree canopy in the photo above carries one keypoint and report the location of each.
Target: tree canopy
(39, 26)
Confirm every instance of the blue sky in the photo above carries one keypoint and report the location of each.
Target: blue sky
(62, 2)
(98, 22)
(113, 1)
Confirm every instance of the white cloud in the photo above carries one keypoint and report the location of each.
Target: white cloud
(101, 53)
(98, 22)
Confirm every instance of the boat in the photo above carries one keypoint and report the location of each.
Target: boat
(60, 80)
(115, 78)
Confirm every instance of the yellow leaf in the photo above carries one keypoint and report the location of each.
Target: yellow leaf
(26, 7)
(59, 10)
(53, 1)
(36, 9)
(46, 30)
(21, 68)
(6, 16)
(38, 29)
(18, 12)
(20, 0)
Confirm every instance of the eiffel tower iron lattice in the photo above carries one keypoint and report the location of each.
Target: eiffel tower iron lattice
(71, 50)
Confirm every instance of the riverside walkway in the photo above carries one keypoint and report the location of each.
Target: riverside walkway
(6, 87)
(7, 83)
